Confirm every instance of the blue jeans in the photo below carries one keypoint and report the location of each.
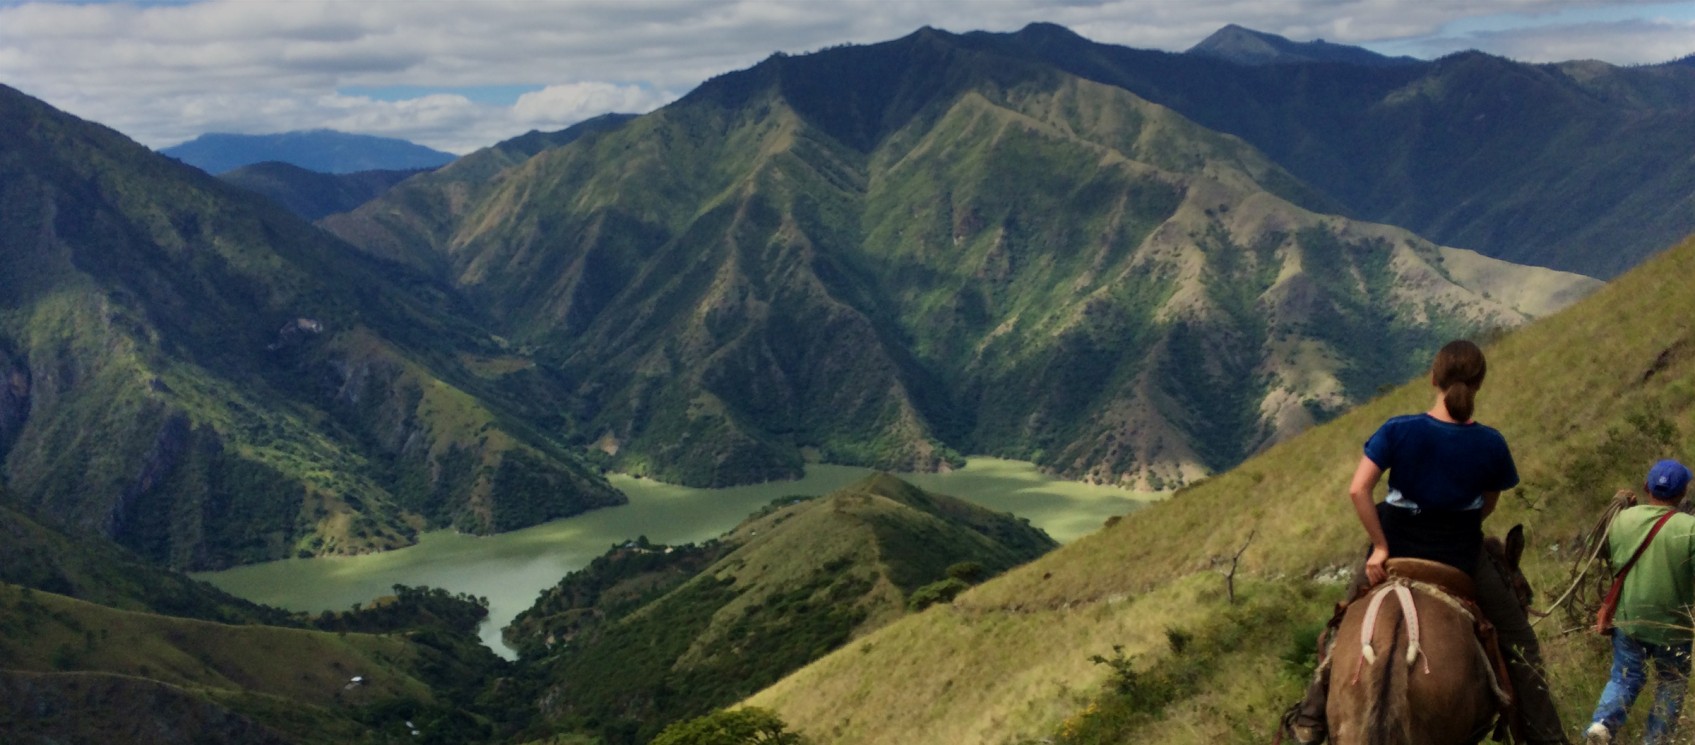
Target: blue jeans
(1630, 674)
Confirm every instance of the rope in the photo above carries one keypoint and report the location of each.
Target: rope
(1402, 588)
(1598, 542)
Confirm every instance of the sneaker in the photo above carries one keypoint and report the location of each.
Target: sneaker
(1597, 734)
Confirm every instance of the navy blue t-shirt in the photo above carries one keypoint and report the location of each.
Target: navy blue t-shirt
(1438, 472)
(1437, 465)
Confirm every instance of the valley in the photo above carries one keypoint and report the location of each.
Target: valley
(592, 431)
(510, 568)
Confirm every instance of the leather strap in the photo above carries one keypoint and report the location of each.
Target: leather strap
(1609, 606)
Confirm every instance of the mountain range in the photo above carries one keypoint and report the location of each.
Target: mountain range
(890, 254)
(321, 150)
(883, 255)
(1024, 244)
(1580, 166)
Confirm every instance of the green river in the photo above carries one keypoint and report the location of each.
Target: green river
(511, 569)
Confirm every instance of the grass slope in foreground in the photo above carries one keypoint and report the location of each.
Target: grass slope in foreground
(1588, 398)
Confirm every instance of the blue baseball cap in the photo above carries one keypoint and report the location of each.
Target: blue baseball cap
(1667, 479)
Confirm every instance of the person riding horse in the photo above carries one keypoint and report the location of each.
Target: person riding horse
(1446, 473)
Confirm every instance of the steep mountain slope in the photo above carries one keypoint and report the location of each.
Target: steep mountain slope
(206, 379)
(1249, 47)
(320, 150)
(1579, 166)
(411, 235)
(649, 635)
(41, 558)
(311, 194)
(885, 255)
(1588, 399)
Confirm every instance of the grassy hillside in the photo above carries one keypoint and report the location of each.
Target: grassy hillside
(38, 557)
(1588, 399)
(293, 682)
(890, 254)
(650, 635)
(208, 380)
(43, 708)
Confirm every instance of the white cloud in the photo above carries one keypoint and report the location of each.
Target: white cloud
(558, 105)
(164, 73)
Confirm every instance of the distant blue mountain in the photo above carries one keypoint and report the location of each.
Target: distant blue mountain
(1249, 47)
(321, 150)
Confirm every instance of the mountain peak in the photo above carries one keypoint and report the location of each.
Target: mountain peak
(1049, 31)
(1249, 47)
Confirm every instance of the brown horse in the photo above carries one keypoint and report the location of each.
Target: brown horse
(1437, 690)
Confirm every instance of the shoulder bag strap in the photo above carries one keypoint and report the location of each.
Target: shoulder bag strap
(1609, 606)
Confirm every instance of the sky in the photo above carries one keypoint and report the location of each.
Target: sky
(457, 75)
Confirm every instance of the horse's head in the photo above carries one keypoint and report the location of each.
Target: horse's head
(1506, 555)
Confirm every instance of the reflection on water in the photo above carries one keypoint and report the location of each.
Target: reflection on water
(511, 569)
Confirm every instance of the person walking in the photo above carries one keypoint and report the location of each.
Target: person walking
(1653, 545)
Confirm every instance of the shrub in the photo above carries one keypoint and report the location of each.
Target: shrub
(749, 726)
(969, 572)
(936, 592)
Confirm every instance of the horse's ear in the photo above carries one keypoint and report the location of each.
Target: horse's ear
(1515, 545)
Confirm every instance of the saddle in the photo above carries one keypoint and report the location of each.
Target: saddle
(1444, 577)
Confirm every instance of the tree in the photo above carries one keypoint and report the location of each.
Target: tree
(746, 726)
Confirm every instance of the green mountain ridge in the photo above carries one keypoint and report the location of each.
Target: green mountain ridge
(1580, 166)
(310, 194)
(37, 708)
(81, 672)
(886, 255)
(1249, 47)
(209, 380)
(648, 635)
(92, 569)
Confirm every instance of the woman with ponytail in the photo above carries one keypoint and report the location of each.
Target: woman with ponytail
(1446, 472)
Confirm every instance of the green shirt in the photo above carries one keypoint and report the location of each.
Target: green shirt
(1660, 589)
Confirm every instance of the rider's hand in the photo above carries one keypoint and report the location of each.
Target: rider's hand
(1375, 571)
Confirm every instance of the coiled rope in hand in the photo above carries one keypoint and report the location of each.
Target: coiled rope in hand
(1585, 599)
